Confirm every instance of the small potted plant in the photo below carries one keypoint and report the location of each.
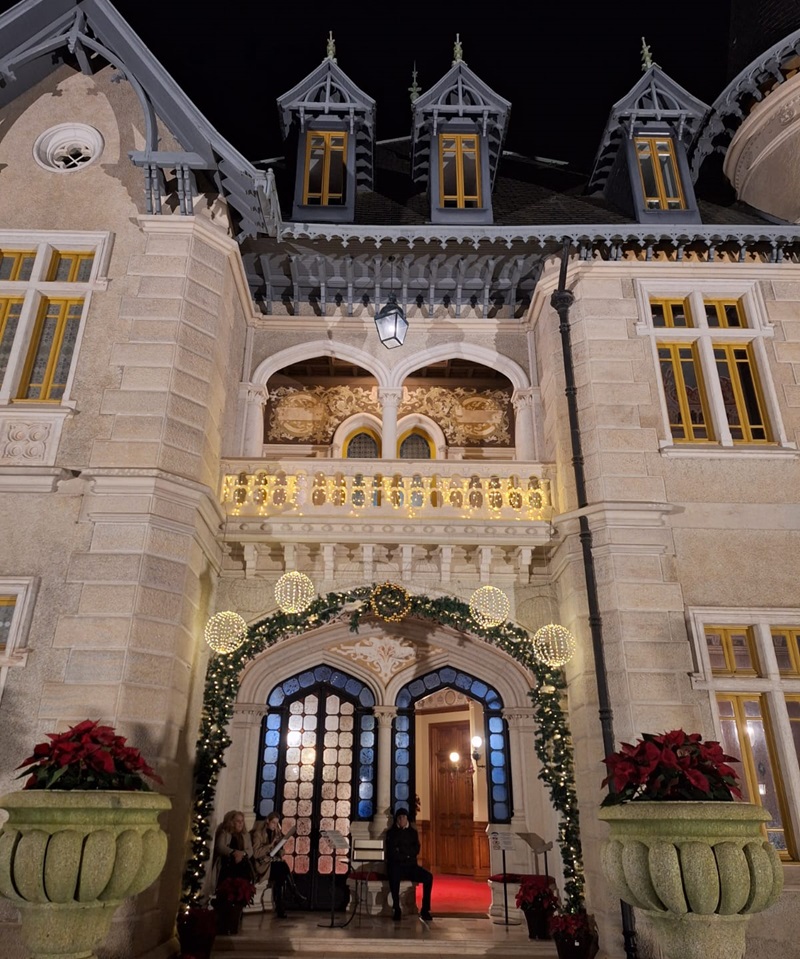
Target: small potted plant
(575, 935)
(681, 849)
(537, 899)
(197, 929)
(86, 793)
(230, 898)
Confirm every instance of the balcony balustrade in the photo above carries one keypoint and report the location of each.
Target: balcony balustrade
(391, 489)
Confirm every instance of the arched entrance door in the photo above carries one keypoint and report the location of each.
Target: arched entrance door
(317, 769)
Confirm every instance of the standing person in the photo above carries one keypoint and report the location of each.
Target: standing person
(232, 849)
(267, 833)
(402, 848)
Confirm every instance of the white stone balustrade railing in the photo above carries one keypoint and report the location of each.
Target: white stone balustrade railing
(436, 489)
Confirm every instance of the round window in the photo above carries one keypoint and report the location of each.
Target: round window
(68, 147)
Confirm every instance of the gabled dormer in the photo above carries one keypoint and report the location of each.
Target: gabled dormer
(328, 124)
(641, 165)
(458, 131)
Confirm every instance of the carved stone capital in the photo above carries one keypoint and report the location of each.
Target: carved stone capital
(257, 393)
(520, 717)
(385, 715)
(522, 399)
(390, 395)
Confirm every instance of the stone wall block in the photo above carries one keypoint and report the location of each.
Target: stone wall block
(161, 265)
(627, 439)
(190, 387)
(98, 600)
(118, 454)
(175, 245)
(73, 703)
(637, 568)
(144, 355)
(634, 488)
(118, 537)
(148, 669)
(657, 717)
(135, 307)
(94, 666)
(184, 437)
(154, 330)
(667, 656)
(608, 414)
(92, 632)
(610, 371)
(187, 411)
(607, 329)
(133, 402)
(200, 342)
(169, 544)
(137, 428)
(158, 604)
(173, 460)
(149, 704)
(189, 362)
(663, 596)
(163, 573)
(208, 256)
(169, 287)
(103, 568)
(641, 624)
(202, 287)
(146, 378)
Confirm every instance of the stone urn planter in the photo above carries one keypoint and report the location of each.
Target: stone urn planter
(698, 871)
(69, 858)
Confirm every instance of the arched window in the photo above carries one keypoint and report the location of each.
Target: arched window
(415, 445)
(363, 445)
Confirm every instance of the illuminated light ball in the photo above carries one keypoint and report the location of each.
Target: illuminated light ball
(294, 592)
(489, 606)
(554, 645)
(225, 632)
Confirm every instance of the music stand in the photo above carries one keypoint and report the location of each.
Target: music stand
(337, 840)
(503, 841)
(539, 847)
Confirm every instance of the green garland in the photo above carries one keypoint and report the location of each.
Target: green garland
(552, 740)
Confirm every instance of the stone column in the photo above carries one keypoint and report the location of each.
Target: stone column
(524, 435)
(383, 797)
(390, 398)
(253, 435)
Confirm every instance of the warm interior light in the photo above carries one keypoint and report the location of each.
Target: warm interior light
(477, 742)
(454, 757)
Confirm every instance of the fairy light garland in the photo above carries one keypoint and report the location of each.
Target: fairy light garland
(552, 738)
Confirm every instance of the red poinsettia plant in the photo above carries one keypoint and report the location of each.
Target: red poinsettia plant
(87, 756)
(235, 890)
(674, 766)
(570, 925)
(537, 892)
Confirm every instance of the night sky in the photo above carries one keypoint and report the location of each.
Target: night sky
(562, 65)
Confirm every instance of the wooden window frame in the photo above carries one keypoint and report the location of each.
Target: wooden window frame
(460, 197)
(56, 348)
(726, 634)
(752, 335)
(78, 257)
(686, 423)
(21, 592)
(325, 196)
(18, 256)
(773, 689)
(661, 196)
(793, 649)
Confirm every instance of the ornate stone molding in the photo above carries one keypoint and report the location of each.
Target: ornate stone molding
(384, 655)
(31, 437)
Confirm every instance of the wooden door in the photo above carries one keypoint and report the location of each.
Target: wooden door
(451, 799)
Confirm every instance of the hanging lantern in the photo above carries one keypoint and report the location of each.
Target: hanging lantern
(391, 324)
(554, 645)
(294, 592)
(225, 632)
(489, 606)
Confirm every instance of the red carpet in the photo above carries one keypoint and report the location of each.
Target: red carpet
(458, 895)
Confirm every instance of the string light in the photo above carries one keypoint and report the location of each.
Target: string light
(294, 592)
(225, 632)
(554, 645)
(489, 606)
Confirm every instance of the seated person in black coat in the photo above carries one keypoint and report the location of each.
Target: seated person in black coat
(402, 848)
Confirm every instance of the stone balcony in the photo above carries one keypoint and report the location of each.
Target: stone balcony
(476, 506)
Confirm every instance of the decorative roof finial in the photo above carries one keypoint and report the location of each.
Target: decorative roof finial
(458, 50)
(330, 47)
(647, 57)
(415, 89)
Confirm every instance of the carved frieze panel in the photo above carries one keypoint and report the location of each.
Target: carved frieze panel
(442, 699)
(30, 440)
(467, 416)
(384, 655)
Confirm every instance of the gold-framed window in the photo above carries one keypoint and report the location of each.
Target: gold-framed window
(325, 168)
(748, 733)
(731, 651)
(17, 265)
(741, 393)
(55, 334)
(70, 267)
(7, 606)
(658, 173)
(10, 312)
(415, 444)
(671, 314)
(684, 392)
(725, 314)
(362, 444)
(459, 171)
(786, 643)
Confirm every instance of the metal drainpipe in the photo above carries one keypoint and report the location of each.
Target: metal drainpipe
(561, 301)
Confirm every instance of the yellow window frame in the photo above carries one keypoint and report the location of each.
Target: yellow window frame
(749, 772)
(6, 602)
(54, 355)
(325, 196)
(738, 393)
(459, 150)
(793, 648)
(17, 258)
(357, 432)
(662, 197)
(722, 316)
(417, 431)
(667, 307)
(676, 360)
(77, 257)
(726, 634)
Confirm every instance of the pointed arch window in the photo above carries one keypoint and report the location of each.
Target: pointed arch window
(362, 445)
(415, 445)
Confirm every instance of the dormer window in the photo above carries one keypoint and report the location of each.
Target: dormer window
(460, 176)
(658, 170)
(326, 161)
